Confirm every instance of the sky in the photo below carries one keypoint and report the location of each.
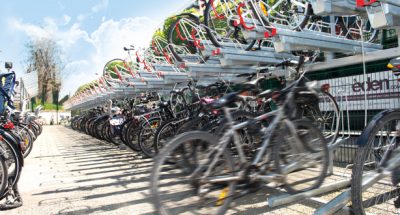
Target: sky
(88, 32)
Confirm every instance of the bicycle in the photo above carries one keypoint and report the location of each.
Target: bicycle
(376, 175)
(207, 174)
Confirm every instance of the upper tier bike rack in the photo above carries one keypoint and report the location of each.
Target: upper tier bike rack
(287, 41)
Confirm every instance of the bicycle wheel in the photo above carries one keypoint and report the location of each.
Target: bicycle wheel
(219, 27)
(14, 161)
(304, 170)
(146, 136)
(166, 132)
(250, 136)
(177, 36)
(3, 175)
(295, 14)
(123, 131)
(27, 140)
(325, 115)
(376, 146)
(352, 26)
(177, 188)
(132, 135)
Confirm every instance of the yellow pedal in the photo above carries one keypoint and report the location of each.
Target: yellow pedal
(222, 196)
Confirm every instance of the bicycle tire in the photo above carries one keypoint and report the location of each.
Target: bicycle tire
(374, 33)
(164, 155)
(160, 133)
(132, 135)
(171, 33)
(146, 149)
(364, 143)
(299, 27)
(278, 154)
(3, 175)
(334, 132)
(208, 28)
(16, 156)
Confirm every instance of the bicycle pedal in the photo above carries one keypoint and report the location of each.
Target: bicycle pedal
(397, 202)
(396, 177)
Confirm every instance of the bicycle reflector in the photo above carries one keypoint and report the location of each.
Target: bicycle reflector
(325, 87)
(9, 125)
(263, 8)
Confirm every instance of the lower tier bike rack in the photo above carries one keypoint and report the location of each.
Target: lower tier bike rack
(283, 199)
(233, 57)
(196, 70)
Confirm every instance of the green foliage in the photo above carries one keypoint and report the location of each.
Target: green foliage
(163, 32)
(48, 106)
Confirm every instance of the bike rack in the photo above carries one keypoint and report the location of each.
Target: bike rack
(288, 41)
(340, 184)
(233, 57)
(336, 7)
(385, 15)
(199, 70)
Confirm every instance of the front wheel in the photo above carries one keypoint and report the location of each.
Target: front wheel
(3, 175)
(146, 136)
(181, 187)
(377, 144)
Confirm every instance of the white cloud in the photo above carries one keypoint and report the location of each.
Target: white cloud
(110, 38)
(32, 31)
(95, 9)
(101, 6)
(102, 45)
(66, 19)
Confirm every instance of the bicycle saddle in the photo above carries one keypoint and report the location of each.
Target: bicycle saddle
(266, 94)
(163, 104)
(225, 100)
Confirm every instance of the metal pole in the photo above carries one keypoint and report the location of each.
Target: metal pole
(287, 198)
(341, 200)
(365, 75)
(57, 105)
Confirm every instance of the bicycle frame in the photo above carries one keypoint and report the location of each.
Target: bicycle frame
(279, 120)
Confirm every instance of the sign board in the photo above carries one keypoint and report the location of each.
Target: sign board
(375, 91)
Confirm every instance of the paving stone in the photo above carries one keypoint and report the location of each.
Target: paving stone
(71, 173)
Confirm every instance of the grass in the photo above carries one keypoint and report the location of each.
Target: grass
(49, 106)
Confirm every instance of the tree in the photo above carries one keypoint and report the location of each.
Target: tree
(44, 56)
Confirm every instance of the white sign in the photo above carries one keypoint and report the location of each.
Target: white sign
(376, 91)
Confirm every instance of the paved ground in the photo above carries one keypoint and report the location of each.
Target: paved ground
(71, 173)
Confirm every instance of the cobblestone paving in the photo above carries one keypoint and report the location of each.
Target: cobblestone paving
(72, 173)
